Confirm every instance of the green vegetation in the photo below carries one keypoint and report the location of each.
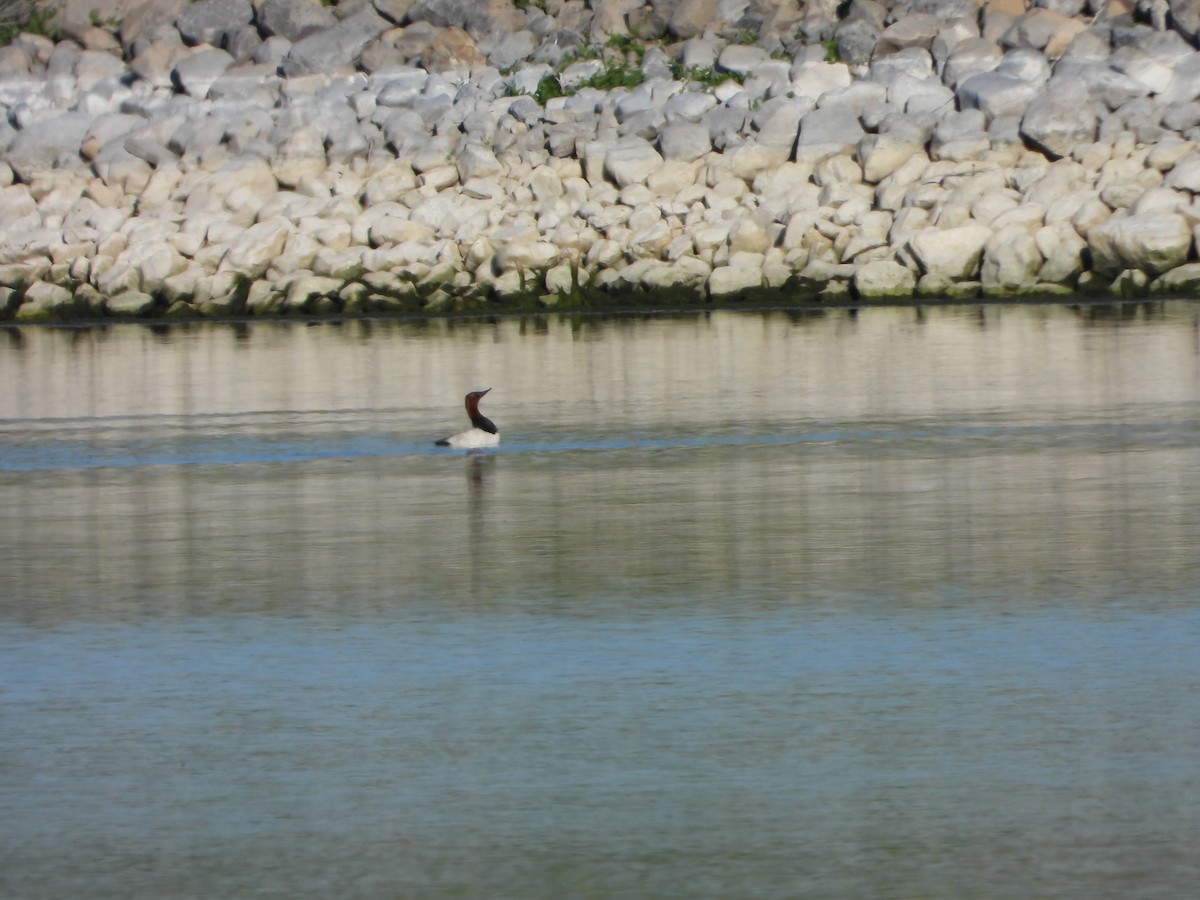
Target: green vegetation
(708, 77)
(17, 16)
(623, 57)
(830, 46)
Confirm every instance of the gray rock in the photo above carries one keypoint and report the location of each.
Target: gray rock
(725, 125)
(335, 47)
(18, 210)
(970, 57)
(470, 15)
(996, 95)
(1027, 65)
(144, 146)
(1104, 84)
(830, 129)
(243, 43)
(246, 83)
(1185, 14)
(1093, 45)
(1060, 119)
(154, 63)
(403, 88)
(1069, 8)
(1033, 30)
(741, 59)
(777, 122)
(293, 19)
(689, 106)
(631, 161)
(272, 51)
(856, 96)
(195, 73)
(47, 144)
(913, 30)
(1154, 73)
(684, 141)
(856, 41)
(1185, 84)
(914, 62)
(207, 21)
(882, 154)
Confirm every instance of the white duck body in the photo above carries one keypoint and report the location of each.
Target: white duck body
(484, 432)
(470, 440)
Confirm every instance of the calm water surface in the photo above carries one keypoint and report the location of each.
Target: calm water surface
(897, 604)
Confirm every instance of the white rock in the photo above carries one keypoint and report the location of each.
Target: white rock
(952, 253)
(1062, 248)
(474, 161)
(881, 155)
(1153, 243)
(308, 288)
(1183, 279)
(130, 303)
(685, 272)
(728, 280)
(884, 279)
(747, 235)
(44, 301)
(254, 250)
(195, 73)
(632, 161)
(1011, 261)
(814, 79)
(525, 255)
(1186, 174)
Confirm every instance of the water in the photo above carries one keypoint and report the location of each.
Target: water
(899, 603)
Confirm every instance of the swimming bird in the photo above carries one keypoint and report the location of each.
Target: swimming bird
(483, 431)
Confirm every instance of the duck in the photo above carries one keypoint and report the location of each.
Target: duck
(483, 431)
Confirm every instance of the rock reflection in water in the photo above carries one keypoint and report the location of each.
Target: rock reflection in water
(894, 603)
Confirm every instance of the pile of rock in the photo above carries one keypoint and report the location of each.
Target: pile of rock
(265, 157)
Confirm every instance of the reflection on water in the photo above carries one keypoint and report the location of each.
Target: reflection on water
(887, 603)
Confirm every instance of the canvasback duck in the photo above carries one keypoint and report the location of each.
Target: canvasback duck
(483, 432)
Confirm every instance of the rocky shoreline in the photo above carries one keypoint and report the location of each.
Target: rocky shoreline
(371, 157)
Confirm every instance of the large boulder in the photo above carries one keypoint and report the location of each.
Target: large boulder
(335, 47)
(293, 19)
(253, 251)
(828, 130)
(43, 301)
(884, 279)
(1011, 261)
(1185, 14)
(725, 281)
(1151, 242)
(47, 144)
(997, 94)
(196, 72)
(1060, 119)
(631, 161)
(950, 253)
(207, 21)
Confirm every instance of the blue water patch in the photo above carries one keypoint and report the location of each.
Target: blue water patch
(128, 444)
